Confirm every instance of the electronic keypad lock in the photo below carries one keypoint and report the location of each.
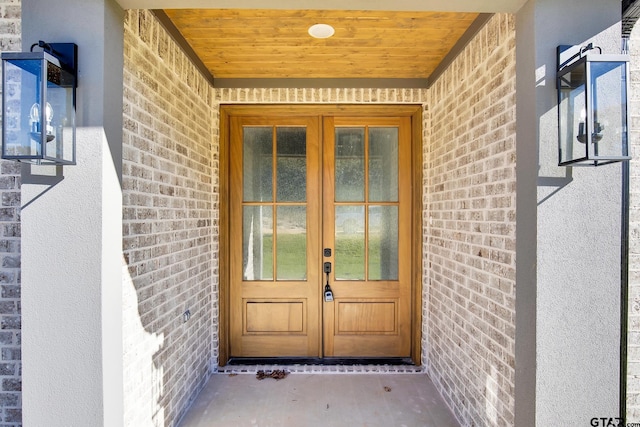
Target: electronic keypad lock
(328, 293)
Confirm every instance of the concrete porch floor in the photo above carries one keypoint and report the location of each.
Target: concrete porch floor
(303, 400)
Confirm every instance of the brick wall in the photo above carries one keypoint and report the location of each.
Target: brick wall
(317, 96)
(169, 202)
(10, 366)
(633, 336)
(469, 270)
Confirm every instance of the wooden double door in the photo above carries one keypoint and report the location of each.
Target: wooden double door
(320, 230)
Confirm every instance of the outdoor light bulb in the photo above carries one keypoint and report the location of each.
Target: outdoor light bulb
(582, 137)
(48, 115)
(34, 120)
(34, 115)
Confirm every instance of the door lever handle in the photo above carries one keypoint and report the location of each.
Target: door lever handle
(327, 269)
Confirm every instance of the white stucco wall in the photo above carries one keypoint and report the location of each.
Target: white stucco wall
(633, 335)
(71, 299)
(568, 234)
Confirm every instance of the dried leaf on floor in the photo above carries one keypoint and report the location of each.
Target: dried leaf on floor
(277, 374)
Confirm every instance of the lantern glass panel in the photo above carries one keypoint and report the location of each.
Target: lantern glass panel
(572, 114)
(39, 116)
(22, 90)
(60, 98)
(608, 88)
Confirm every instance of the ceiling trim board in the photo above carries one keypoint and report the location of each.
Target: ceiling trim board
(481, 6)
(182, 43)
(350, 83)
(471, 32)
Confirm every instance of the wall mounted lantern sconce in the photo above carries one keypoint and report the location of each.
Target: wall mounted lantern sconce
(39, 104)
(592, 106)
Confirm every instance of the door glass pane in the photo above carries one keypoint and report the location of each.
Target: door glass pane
(291, 243)
(349, 241)
(291, 181)
(383, 242)
(257, 243)
(257, 164)
(383, 164)
(349, 158)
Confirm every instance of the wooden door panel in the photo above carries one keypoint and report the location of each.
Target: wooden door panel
(274, 317)
(275, 346)
(368, 317)
(370, 346)
(274, 314)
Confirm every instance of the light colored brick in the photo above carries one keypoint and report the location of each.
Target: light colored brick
(633, 351)
(470, 201)
(10, 319)
(168, 226)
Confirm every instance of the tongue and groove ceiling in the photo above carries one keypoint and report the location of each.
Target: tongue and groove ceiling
(275, 44)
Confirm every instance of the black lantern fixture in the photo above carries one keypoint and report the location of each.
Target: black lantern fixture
(592, 106)
(39, 104)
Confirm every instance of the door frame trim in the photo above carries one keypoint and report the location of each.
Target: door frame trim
(382, 110)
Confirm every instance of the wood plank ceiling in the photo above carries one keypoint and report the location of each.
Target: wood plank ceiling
(251, 43)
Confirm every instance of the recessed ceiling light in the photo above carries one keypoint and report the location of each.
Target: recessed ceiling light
(321, 31)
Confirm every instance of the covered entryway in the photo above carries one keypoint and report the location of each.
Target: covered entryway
(133, 345)
(320, 222)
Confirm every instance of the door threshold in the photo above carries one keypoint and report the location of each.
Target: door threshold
(327, 365)
(320, 361)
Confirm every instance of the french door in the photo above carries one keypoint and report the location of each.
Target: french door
(320, 230)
